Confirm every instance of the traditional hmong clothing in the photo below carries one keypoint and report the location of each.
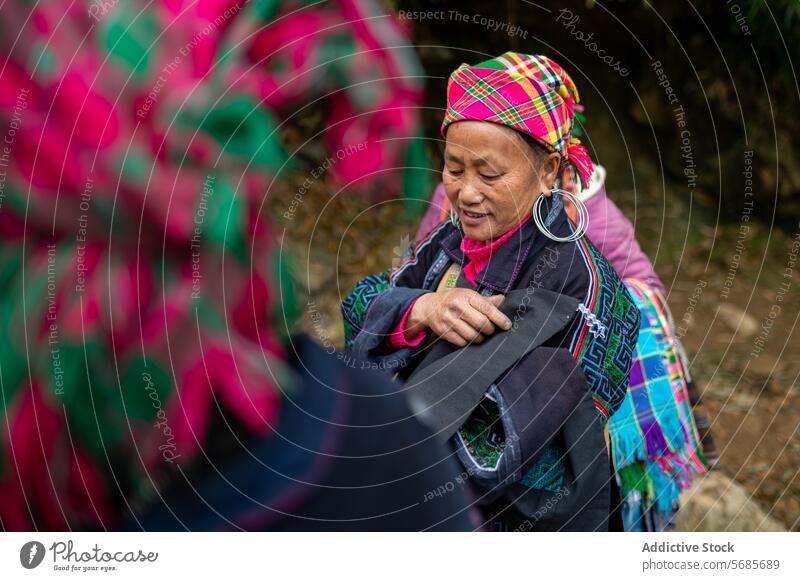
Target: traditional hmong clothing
(655, 444)
(614, 236)
(649, 477)
(524, 410)
(509, 431)
(138, 293)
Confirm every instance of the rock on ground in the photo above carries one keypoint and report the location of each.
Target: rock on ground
(717, 503)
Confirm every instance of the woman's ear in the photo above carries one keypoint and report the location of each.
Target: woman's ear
(551, 165)
(549, 172)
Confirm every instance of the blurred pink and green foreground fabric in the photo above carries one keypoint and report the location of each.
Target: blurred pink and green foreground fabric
(138, 284)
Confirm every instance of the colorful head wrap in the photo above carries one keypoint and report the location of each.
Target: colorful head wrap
(529, 93)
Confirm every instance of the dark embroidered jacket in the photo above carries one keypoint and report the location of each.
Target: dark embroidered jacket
(598, 340)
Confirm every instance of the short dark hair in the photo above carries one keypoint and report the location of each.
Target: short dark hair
(540, 152)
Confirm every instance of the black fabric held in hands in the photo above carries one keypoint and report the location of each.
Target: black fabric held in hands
(450, 382)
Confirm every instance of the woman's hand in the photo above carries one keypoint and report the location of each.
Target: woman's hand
(459, 316)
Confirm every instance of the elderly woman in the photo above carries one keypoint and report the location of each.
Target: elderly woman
(513, 332)
(660, 437)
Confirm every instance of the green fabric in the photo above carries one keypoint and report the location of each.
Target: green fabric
(484, 435)
(548, 471)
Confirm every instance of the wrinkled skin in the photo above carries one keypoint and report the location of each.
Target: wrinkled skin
(492, 177)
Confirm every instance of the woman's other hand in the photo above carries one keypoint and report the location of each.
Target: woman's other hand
(459, 316)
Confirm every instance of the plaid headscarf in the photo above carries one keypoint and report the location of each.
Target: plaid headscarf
(529, 93)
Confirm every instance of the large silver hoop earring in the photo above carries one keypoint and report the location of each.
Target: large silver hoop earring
(583, 217)
(454, 219)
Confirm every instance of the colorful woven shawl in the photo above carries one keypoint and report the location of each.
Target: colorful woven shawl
(137, 279)
(655, 446)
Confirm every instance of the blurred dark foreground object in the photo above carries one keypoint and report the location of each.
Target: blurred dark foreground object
(348, 456)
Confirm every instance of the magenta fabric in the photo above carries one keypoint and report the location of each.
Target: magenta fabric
(397, 338)
(480, 253)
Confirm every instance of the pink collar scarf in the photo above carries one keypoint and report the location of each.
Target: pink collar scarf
(478, 252)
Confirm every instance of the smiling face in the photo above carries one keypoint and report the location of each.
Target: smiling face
(492, 177)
